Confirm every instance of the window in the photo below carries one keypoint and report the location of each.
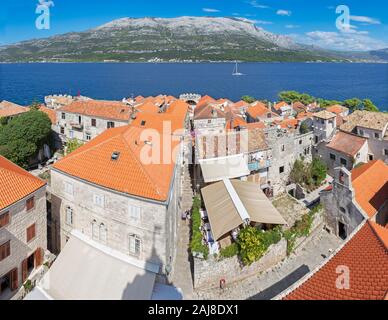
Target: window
(69, 188)
(95, 232)
(134, 212)
(63, 115)
(300, 141)
(30, 232)
(386, 152)
(71, 134)
(62, 130)
(316, 139)
(69, 215)
(102, 233)
(110, 124)
(209, 121)
(281, 169)
(88, 137)
(332, 156)
(79, 119)
(377, 136)
(98, 200)
(361, 132)
(4, 219)
(282, 148)
(30, 203)
(134, 244)
(94, 123)
(342, 209)
(5, 250)
(370, 157)
(343, 162)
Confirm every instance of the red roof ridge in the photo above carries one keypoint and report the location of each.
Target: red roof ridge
(380, 232)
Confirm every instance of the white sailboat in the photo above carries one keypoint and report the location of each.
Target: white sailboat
(235, 71)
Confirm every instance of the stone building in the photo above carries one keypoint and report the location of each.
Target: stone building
(23, 227)
(355, 196)
(374, 127)
(86, 119)
(325, 125)
(9, 110)
(120, 190)
(344, 150)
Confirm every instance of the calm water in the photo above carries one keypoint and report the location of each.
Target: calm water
(23, 83)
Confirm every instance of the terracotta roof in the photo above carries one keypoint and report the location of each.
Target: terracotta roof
(366, 256)
(347, 143)
(339, 120)
(50, 112)
(288, 123)
(148, 107)
(326, 115)
(235, 122)
(255, 125)
(258, 110)
(241, 104)
(114, 110)
(299, 106)
(15, 183)
(9, 109)
(337, 109)
(370, 183)
(207, 111)
(256, 140)
(128, 174)
(280, 104)
(365, 119)
(304, 115)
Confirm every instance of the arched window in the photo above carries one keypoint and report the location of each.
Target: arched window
(134, 244)
(102, 234)
(95, 230)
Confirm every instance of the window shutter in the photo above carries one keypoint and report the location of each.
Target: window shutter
(24, 270)
(38, 257)
(14, 279)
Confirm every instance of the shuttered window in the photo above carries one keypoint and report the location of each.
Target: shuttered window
(30, 203)
(5, 250)
(4, 219)
(31, 233)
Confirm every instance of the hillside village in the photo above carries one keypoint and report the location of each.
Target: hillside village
(194, 197)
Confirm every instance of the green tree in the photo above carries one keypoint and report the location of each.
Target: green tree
(293, 96)
(251, 244)
(369, 105)
(248, 99)
(353, 104)
(304, 128)
(72, 145)
(24, 136)
(318, 171)
(35, 105)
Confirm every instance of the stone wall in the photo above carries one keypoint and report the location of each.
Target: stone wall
(208, 273)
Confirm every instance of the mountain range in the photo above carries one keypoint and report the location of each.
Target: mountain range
(182, 39)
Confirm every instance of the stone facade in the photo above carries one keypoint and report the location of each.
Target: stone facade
(324, 129)
(112, 218)
(286, 148)
(16, 233)
(343, 214)
(377, 142)
(83, 127)
(208, 273)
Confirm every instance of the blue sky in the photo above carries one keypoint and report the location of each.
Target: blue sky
(307, 21)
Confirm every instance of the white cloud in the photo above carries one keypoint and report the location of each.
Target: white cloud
(283, 12)
(210, 10)
(345, 41)
(292, 26)
(365, 20)
(255, 4)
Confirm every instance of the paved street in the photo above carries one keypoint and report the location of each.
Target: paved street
(269, 284)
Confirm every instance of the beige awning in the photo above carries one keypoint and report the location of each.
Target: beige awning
(230, 167)
(86, 271)
(230, 203)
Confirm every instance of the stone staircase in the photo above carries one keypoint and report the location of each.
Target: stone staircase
(187, 189)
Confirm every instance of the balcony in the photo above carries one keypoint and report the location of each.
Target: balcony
(258, 165)
(77, 125)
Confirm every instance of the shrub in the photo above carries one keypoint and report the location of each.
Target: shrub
(229, 251)
(196, 244)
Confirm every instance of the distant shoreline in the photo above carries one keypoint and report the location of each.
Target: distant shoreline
(195, 62)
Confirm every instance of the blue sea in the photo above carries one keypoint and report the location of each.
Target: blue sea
(23, 83)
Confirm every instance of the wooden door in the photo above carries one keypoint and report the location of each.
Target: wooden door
(24, 270)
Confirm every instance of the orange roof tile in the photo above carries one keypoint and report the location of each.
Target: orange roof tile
(347, 143)
(258, 110)
(288, 123)
(15, 183)
(370, 183)
(148, 107)
(304, 115)
(128, 174)
(207, 111)
(235, 122)
(366, 256)
(114, 110)
(280, 104)
(255, 125)
(337, 109)
(9, 109)
(50, 112)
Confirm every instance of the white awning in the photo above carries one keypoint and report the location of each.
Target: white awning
(86, 270)
(229, 167)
